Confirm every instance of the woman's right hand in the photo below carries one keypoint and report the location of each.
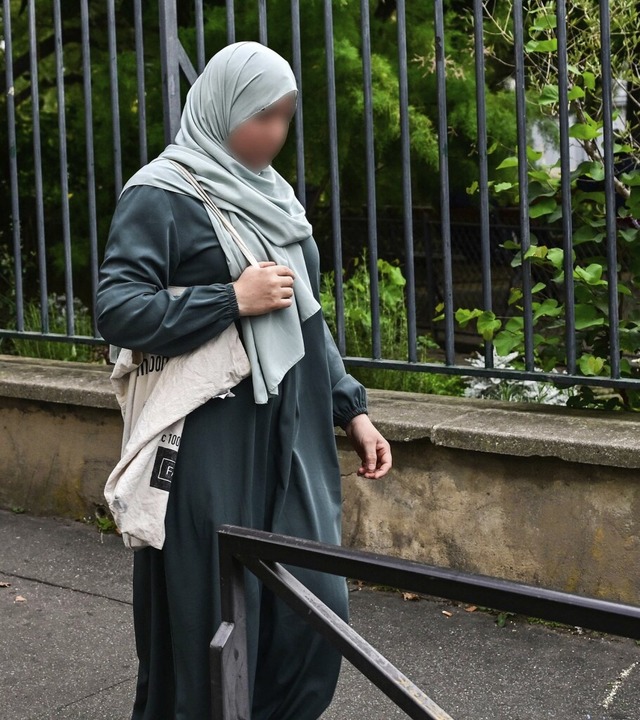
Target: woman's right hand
(260, 290)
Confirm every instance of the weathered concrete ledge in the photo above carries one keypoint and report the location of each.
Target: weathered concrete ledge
(524, 429)
(539, 494)
(56, 382)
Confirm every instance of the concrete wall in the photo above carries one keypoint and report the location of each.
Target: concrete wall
(56, 457)
(537, 520)
(542, 495)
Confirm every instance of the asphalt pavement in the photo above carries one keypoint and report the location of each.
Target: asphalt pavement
(67, 650)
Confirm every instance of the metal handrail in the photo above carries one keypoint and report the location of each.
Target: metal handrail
(264, 553)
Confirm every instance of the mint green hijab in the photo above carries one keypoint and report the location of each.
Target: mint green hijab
(237, 83)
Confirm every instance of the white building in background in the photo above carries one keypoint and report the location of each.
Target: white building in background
(551, 153)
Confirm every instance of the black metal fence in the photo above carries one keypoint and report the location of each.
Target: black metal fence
(264, 555)
(74, 130)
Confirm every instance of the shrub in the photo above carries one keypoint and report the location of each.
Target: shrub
(393, 330)
(55, 349)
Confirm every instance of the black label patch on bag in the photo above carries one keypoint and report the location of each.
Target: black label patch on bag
(163, 468)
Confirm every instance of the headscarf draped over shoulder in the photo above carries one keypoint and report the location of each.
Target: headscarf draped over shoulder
(237, 83)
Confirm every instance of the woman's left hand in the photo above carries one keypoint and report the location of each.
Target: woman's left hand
(373, 449)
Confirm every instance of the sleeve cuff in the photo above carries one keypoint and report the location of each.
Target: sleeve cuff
(348, 418)
(233, 301)
(349, 400)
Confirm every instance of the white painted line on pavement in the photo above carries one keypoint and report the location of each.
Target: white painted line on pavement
(617, 685)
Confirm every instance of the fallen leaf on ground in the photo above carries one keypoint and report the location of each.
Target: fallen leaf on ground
(471, 608)
(410, 596)
(19, 598)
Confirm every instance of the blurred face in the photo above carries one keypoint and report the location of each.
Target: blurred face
(259, 139)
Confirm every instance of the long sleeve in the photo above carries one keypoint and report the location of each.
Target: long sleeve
(158, 239)
(349, 396)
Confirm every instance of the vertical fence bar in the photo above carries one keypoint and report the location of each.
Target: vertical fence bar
(170, 67)
(262, 21)
(91, 179)
(231, 22)
(407, 199)
(115, 96)
(334, 173)
(372, 215)
(445, 212)
(140, 81)
(37, 170)
(523, 181)
(609, 173)
(299, 120)
(13, 166)
(427, 243)
(481, 119)
(199, 12)
(565, 184)
(64, 169)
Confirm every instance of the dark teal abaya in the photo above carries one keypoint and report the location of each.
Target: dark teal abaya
(272, 467)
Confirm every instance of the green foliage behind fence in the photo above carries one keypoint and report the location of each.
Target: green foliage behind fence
(393, 330)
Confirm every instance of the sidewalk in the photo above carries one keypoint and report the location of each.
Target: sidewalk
(67, 650)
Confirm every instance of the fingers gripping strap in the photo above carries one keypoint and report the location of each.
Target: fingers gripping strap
(217, 212)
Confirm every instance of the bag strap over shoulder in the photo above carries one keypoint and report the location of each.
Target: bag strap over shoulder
(206, 199)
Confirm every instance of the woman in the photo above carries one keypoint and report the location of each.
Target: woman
(266, 457)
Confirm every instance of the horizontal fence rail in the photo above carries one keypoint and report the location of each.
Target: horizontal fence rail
(379, 120)
(264, 554)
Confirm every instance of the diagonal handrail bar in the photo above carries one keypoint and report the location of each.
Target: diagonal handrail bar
(394, 684)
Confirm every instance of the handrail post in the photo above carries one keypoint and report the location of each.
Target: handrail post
(228, 656)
